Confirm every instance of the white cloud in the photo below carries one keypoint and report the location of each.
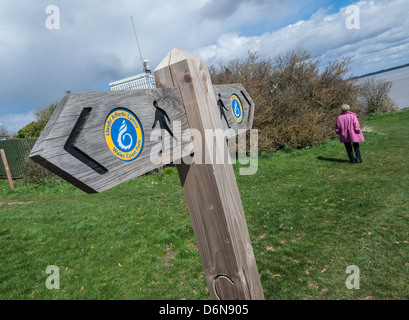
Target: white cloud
(95, 44)
(384, 29)
(14, 122)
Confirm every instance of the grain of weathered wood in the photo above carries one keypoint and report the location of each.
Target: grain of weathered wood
(226, 91)
(49, 150)
(7, 169)
(211, 191)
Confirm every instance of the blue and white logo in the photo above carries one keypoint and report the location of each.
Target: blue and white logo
(236, 108)
(124, 134)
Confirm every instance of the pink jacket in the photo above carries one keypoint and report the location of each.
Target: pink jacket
(348, 128)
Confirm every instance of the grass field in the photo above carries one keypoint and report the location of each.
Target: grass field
(310, 214)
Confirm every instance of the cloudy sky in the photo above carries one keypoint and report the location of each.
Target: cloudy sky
(95, 43)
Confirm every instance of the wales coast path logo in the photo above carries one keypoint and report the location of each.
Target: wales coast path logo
(123, 134)
(236, 108)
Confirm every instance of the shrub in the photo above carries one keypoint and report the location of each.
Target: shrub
(31, 130)
(34, 129)
(35, 173)
(375, 95)
(296, 103)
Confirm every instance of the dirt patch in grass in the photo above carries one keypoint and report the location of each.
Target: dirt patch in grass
(16, 203)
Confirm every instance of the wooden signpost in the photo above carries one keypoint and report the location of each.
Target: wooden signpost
(6, 168)
(98, 140)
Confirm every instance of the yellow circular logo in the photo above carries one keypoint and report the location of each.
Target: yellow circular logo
(123, 134)
(236, 108)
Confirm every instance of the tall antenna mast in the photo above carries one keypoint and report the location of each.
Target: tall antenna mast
(136, 37)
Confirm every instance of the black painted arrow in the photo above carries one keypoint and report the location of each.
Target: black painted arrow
(77, 153)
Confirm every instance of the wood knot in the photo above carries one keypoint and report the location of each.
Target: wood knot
(222, 287)
(188, 78)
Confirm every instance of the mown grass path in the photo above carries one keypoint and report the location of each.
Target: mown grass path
(310, 214)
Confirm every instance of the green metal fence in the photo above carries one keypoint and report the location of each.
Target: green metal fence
(17, 151)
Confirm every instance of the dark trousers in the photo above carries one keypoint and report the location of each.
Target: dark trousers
(355, 146)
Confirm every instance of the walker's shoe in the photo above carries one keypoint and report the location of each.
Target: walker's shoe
(358, 161)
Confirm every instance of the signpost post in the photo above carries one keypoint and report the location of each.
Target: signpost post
(7, 169)
(98, 140)
(211, 191)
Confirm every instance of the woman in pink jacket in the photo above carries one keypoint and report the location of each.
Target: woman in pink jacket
(349, 130)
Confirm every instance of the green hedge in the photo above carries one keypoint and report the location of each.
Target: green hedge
(17, 151)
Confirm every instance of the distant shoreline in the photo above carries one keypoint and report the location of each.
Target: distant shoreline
(379, 72)
(399, 76)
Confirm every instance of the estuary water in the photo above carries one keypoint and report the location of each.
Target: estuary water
(400, 85)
